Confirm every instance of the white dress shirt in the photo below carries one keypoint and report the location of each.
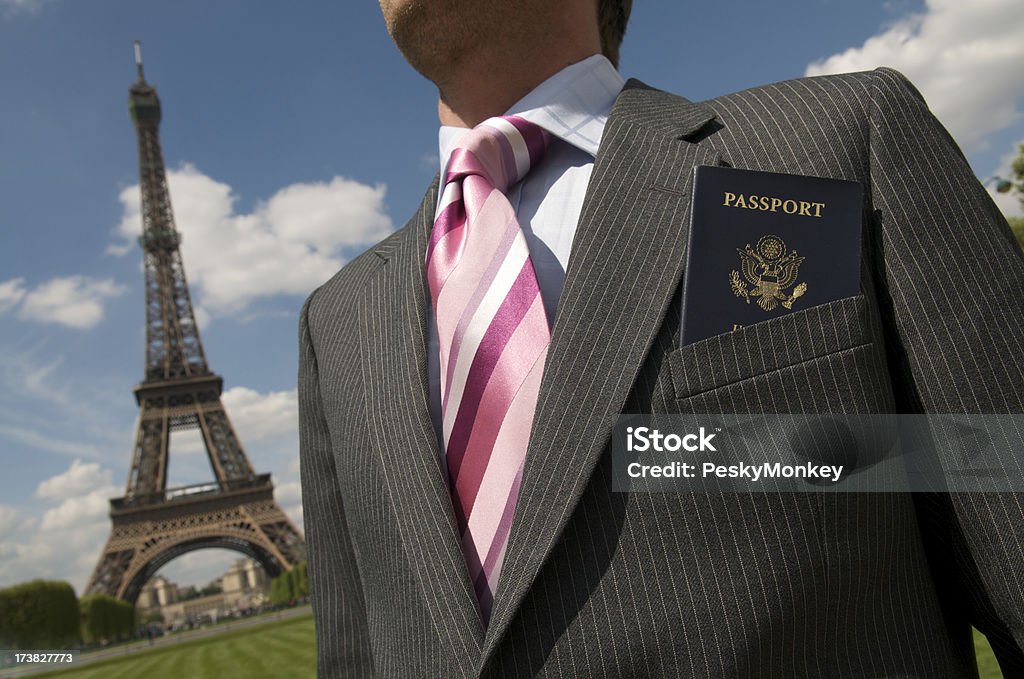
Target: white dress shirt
(572, 105)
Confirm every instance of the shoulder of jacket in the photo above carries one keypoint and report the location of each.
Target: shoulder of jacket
(855, 90)
(341, 291)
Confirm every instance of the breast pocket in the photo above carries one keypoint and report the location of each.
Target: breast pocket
(786, 341)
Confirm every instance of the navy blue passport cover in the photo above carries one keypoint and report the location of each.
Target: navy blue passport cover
(763, 244)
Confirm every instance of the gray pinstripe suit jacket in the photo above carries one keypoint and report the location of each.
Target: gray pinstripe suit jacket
(598, 584)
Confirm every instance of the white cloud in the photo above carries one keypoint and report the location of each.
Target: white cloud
(72, 301)
(289, 497)
(76, 511)
(63, 552)
(186, 442)
(83, 491)
(296, 515)
(203, 317)
(11, 293)
(80, 479)
(288, 244)
(965, 57)
(67, 541)
(288, 493)
(259, 416)
(9, 520)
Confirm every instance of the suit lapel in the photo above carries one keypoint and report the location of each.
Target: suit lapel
(626, 263)
(393, 331)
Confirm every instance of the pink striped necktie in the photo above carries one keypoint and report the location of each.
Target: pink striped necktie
(492, 335)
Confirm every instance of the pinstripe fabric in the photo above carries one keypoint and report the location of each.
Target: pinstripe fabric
(598, 584)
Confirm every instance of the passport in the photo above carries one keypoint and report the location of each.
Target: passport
(763, 244)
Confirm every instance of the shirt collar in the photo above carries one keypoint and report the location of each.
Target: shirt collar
(573, 105)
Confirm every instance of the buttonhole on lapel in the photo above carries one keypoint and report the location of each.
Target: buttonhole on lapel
(668, 189)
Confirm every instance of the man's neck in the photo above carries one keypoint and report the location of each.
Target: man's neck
(488, 86)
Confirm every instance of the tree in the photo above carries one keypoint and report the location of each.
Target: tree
(289, 583)
(301, 580)
(293, 584)
(105, 618)
(1016, 185)
(1017, 173)
(211, 589)
(278, 591)
(188, 593)
(153, 616)
(1017, 225)
(41, 614)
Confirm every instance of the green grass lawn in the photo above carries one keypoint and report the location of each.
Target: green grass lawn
(277, 649)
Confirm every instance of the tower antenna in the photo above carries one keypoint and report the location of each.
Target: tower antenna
(138, 58)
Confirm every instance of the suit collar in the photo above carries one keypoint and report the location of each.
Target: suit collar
(661, 112)
(416, 231)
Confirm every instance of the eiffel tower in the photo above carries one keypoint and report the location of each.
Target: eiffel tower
(153, 524)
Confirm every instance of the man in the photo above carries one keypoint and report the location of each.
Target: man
(459, 511)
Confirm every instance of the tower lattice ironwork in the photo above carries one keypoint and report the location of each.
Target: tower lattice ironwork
(153, 524)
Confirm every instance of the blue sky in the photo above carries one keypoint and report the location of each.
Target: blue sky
(296, 136)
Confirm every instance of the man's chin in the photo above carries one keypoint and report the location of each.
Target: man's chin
(431, 60)
(435, 37)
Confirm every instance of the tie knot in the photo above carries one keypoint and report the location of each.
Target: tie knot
(501, 150)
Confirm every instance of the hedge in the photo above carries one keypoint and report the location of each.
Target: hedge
(105, 618)
(41, 614)
(293, 584)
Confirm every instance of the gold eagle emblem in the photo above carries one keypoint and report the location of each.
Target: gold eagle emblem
(770, 270)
